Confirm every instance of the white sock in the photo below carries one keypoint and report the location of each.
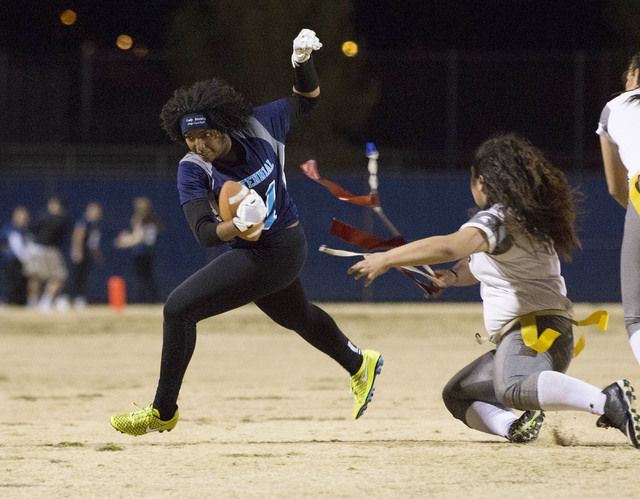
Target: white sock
(489, 418)
(634, 343)
(559, 392)
(45, 301)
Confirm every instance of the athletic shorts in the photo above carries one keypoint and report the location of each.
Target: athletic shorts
(45, 263)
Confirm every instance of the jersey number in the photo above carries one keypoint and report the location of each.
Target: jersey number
(271, 205)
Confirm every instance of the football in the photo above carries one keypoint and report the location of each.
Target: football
(231, 195)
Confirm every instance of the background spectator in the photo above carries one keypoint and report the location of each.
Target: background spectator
(45, 268)
(14, 243)
(141, 240)
(85, 255)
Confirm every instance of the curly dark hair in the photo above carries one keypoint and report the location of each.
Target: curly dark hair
(634, 63)
(537, 199)
(225, 108)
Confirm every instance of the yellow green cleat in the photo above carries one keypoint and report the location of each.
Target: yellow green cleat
(526, 428)
(362, 381)
(144, 420)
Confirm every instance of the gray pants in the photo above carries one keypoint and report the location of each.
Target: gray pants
(508, 375)
(630, 270)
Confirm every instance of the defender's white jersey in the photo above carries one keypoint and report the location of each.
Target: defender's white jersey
(620, 124)
(515, 279)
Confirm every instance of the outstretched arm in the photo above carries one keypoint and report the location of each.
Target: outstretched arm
(429, 251)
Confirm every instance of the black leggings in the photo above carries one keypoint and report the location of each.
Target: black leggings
(146, 288)
(78, 277)
(16, 282)
(265, 274)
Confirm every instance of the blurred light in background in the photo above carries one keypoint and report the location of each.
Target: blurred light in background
(68, 17)
(124, 42)
(88, 47)
(140, 50)
(349, 48)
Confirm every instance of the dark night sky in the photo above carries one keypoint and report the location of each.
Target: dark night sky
(499, 24)
(35, 24)
(392, 34)
(492, 25)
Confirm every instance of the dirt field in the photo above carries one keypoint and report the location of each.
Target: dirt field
(264, 415)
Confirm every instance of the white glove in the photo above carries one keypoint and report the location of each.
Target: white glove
(251, 211)
(305, 43)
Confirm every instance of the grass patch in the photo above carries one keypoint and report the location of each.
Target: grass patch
(66, 444)
(109, 448)
(87, 396)
(203, 420)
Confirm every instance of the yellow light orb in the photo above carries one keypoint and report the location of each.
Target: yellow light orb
(350, 48)
(68, 17)
(124, 42)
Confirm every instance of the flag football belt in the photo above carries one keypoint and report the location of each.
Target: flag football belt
(542, 342)
(634, 193)
(361, 238)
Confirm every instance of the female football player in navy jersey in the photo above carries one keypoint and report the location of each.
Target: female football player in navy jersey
(228, 140)
(526, 217)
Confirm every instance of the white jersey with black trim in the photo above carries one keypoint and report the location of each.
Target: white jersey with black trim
(620, 123)
(515, 279)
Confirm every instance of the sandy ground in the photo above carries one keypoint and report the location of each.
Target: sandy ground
(264, 415)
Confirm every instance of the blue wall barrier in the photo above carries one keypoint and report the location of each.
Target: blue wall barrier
(419, 205)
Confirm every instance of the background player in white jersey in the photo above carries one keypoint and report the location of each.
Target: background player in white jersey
(510, 245)
(231, 141)
(619, 130)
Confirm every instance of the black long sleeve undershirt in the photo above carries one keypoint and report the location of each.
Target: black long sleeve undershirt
(305, 78)
(202, 222)
(299, 106)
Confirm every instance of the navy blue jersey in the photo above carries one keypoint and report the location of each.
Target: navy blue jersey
(92, 234)
(261, 170)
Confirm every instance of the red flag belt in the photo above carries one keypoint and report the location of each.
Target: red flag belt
(355, 236)
(310, 168)
(363, 239)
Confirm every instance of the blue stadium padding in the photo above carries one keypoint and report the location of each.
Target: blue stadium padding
(419, 205)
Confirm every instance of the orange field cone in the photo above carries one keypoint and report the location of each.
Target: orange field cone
(117, 293)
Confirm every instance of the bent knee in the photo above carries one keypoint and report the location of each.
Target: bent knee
(520, 393)
(174, 308)
(456, 405)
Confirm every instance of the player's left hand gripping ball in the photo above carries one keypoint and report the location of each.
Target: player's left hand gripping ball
(305, 43)
(251, 212)
(244, 207)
